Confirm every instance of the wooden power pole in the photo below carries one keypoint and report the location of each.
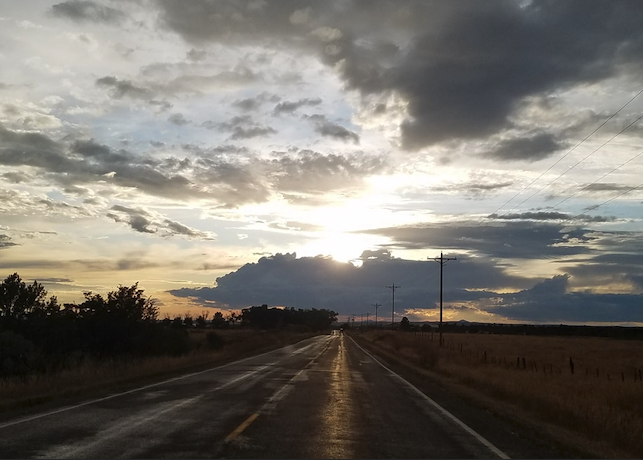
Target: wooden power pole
(441, 260)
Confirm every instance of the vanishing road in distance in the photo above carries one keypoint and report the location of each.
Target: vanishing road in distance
(324, 397)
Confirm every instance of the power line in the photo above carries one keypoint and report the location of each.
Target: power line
(594, 207)
(599, 179)
(572, 167)
(570, 151)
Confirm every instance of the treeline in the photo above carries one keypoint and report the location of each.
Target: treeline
(37, 334)
(264, 317)
(621, 332)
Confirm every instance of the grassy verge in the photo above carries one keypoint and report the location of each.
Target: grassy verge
(95, 378)
(592, 415)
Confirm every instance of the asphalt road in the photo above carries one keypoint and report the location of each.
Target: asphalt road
(324, 397)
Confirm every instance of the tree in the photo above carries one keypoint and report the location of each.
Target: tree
(405, 325)
(218, 321)
(188, 321)
(18, 300)
(201, 321)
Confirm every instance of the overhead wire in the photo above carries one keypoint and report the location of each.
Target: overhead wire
(568, 153)
(599, 179)
(577, 163)
(593, 207)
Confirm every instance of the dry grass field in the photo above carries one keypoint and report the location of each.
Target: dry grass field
(91, 378)
(601, 402)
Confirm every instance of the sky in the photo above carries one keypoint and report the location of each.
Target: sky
(309, 154)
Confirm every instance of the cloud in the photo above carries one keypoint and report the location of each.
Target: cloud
(21, 203)
(242, 127)
(238, 76)
(85, 162)
(329, 129)
(553, 216)
(87, 11)
(144, 221)
(5, 242)
(178, 119)
(313, 172)
(532, 148)
(463, 69)
(511, 240)
(16, 177)
(254, 103)
(120, 89)
(606, 187)
(196, 55)
(476, 189)
(320, 282)
(550, 302)
(290, 107)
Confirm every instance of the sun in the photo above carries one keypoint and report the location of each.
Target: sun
(341, 246)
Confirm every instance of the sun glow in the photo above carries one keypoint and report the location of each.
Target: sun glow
(342, 247)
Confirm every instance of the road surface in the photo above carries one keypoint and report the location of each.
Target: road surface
(324, 397)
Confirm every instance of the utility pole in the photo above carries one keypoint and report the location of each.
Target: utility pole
(393, 287)
(376, 305)
(441, 260)
(367, 314)
(361, 320)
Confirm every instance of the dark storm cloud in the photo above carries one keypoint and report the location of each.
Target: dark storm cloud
(308, 171)
(534, 148)
(512, 240)
(290, 107)
(549, 301)
(321, 282)
(87, 11)
(616, 268)
(593, 258)
(329, 129)
(464, 67)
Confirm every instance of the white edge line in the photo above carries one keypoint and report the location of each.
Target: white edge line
(134, 390)
(445, 412)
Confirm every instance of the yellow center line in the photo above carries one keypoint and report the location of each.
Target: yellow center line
(241, 427)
